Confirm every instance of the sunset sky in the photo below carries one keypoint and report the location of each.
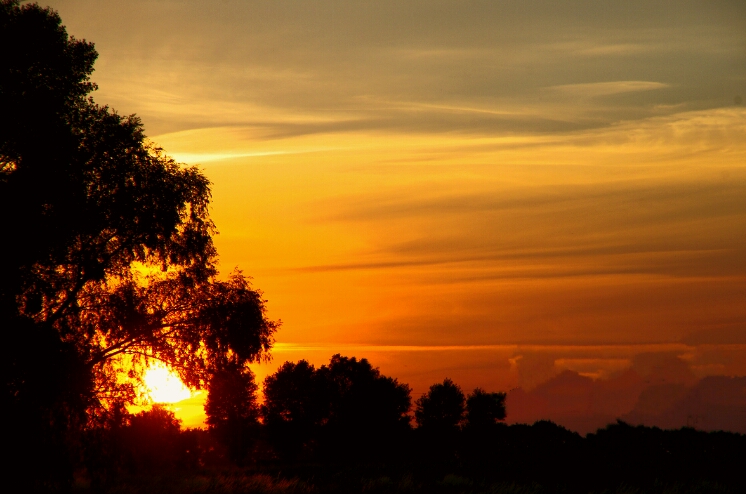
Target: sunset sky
(491, 191)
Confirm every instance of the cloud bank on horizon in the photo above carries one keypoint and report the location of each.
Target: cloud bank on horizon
(565, 180)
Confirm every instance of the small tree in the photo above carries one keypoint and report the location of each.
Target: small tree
(442, 408)
(484, 409)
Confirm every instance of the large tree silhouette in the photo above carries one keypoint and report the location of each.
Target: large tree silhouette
(107, 256)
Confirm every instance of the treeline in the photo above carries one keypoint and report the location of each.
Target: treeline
(331, 411)
(316, 423)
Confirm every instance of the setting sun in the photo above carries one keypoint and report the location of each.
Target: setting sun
(164, 386)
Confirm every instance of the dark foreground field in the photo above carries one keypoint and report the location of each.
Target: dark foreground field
(370, 481)
(541, 458)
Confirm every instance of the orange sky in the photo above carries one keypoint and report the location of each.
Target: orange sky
(489, 191)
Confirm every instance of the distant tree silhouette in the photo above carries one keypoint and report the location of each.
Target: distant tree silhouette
(345, 402)
(442, 408)
(90, 205)
(365, 406)
(483, 435)
(361, 396)
(296, 404)
(484, 409)
(232, 409)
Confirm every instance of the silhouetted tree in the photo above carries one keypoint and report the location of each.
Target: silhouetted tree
(482, 440)
(295, 405)
(484, 409)
(359, 395)
(88, 202)
(365, 407)
(347, 402)
(442, 408)
(232, 409)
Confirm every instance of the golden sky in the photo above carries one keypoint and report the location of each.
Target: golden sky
(492, 191)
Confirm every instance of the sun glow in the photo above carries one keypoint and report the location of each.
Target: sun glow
(164, 386)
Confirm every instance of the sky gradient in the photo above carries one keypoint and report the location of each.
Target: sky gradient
(491, 191)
